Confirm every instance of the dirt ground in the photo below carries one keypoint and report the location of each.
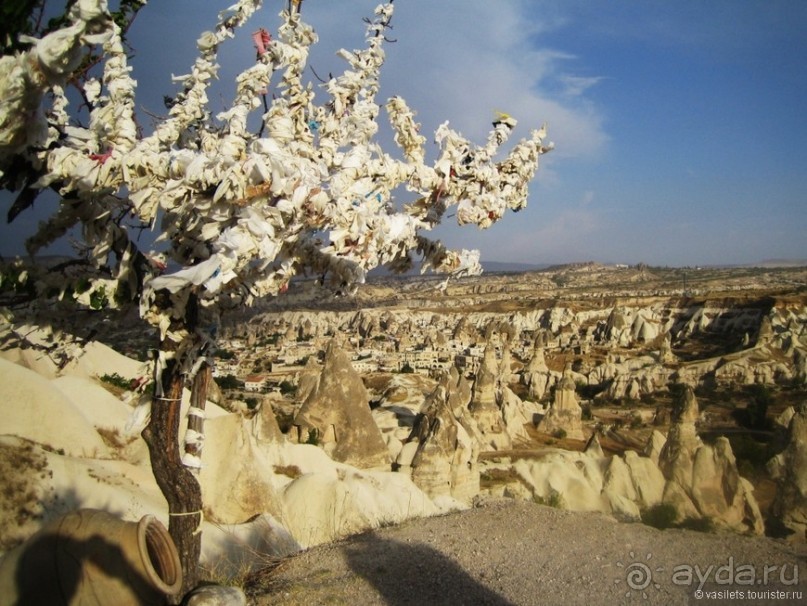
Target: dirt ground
(516, 552)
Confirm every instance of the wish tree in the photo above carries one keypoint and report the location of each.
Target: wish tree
(241, 201)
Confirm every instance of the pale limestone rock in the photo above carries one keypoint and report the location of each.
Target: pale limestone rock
(765, 333)
(394, 445)
(632, 378)
(537, 376)
(459, 397)
(504, 368)
(214, 394)
(338, 409)
(235, 479)
(647, 479)
(308, 379)
(34, 408)
(665, 354)
(662, 416)
(593, 447)
(621, 486)
(264, 424)
(677, 455)
(406, 455)
(230, 549)
(604, 372)
(331, 504)
(719, 492)
(735, 372)
(800, 367)
(702, 480)
(484, 387)
(484, 407)
(676, 496)
(790, 468)
(655, 444)
(216, 595)
(622, 508)
(95, 359)
(514, 415)
(515, 491)
(619, 490)
(440, 452)
(573, 477)
(565, 413)
(617, 329)
(783, 420)
(688, 411)
(643, 329)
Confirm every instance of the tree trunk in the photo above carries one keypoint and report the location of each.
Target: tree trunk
(177, 483)
(176, 480)
(196, 419)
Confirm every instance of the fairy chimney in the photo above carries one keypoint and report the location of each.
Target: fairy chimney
(336, 415)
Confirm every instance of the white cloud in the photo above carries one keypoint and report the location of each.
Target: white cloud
(574, 86)
(463, 61)
(564, 233)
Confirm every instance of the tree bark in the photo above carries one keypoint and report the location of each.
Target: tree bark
(196, 422)
(177, 483)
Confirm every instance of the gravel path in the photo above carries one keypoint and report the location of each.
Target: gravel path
(515, 552)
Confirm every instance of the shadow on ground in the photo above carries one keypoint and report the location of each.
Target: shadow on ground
(405, 573)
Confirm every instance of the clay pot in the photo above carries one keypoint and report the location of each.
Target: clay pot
(90, 557)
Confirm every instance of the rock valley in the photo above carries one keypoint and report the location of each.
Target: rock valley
(636, 392)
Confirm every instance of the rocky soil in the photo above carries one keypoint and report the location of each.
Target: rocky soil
(516, 552)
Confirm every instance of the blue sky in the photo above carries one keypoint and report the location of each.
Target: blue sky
(680, 126)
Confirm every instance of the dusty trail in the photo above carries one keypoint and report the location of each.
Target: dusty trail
(515, 552)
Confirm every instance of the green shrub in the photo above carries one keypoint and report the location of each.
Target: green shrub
(81, 286)
(660, 516)
(559, 433)
(224, 354)
(228, 382)
(775, 528)
(287, 387)
(285, 420)
(313, 437)
(752, 456)
(117, 380)
(555, 499)
(755, 414)
(99, 298)
(677, 392)
(698, 524)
